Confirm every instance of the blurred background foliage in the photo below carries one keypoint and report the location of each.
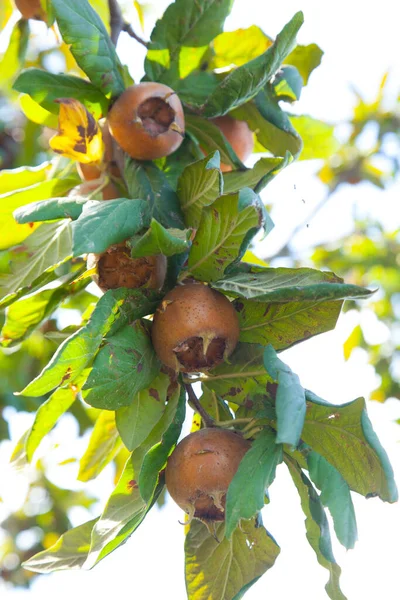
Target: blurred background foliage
(368, 256)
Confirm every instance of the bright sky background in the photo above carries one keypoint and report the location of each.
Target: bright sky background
(360, 41)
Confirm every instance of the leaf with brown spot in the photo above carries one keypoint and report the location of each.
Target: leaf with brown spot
(79, 136)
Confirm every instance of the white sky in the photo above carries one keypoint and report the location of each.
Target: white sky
(360, 41)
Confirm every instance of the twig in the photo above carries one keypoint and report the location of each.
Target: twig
(116, 20)
(128, 29)
(208, 421)
(117, 24)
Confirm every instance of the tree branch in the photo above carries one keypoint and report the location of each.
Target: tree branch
(208, 421)
(128, 29)
(117, 24)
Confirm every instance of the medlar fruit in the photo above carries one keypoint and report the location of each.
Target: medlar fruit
(238, 135)
(116, 268)
(200, 469)
(195, 328)
(147, 121)
(30, 9)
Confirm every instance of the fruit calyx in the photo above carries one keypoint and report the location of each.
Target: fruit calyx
(157, 116)
(116, 268)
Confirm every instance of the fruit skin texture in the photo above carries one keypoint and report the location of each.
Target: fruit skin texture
(238, 135)
(143, 118)
(200, 469)
(116, 268)
(194, 328)
(30, 9)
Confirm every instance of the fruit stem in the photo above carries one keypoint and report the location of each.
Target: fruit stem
(249, 434)
(230, 422)
(208, 421)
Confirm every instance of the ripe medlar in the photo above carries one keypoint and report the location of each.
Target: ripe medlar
(116, 268)
(200, 469)
(195, 328)
(147, 121)
(30, 9)
(238, 135)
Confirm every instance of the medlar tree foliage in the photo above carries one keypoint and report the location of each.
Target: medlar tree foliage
(202, 221)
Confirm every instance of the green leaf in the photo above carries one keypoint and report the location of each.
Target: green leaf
(158, 240)
(242, 377)
(102, 224)
(256, 472)
(317, 528)
(46, 247)
(305, 59)
(224, 233)
(318, 137)
(288, 84)
(199, 185)
(285, 324)
(14, 57)
(243, 83)
(144, 180)
(69, 552)
(46, 277)
(125, 365)
(12, 233)
(46, 417)
(238, 47)
(257, 177)
(77, 351)
(26, 314)
(211, 139)
(225, 570)
(336, 432)
(335, 494)
(123, 513)
(90, 44)
(375, 444)
(290, 399)
(271, 124)
(49, 210)
(156, 458)
(289, 285)
(136, 421)
(44, 88)
(196, 87)
(185, 24)
(103, 445)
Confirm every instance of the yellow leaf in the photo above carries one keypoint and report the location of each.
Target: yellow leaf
(238, 47)
(253, 259)
(354, 340)
(79, 136)
(139, 10)
(36, 113)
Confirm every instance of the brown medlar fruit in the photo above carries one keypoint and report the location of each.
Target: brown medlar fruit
(116, 268)
(147, 121)
(30, 9)
(200, 469)
(238, 135)
(195, 328)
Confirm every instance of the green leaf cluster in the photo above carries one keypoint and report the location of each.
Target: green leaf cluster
(203, 220)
